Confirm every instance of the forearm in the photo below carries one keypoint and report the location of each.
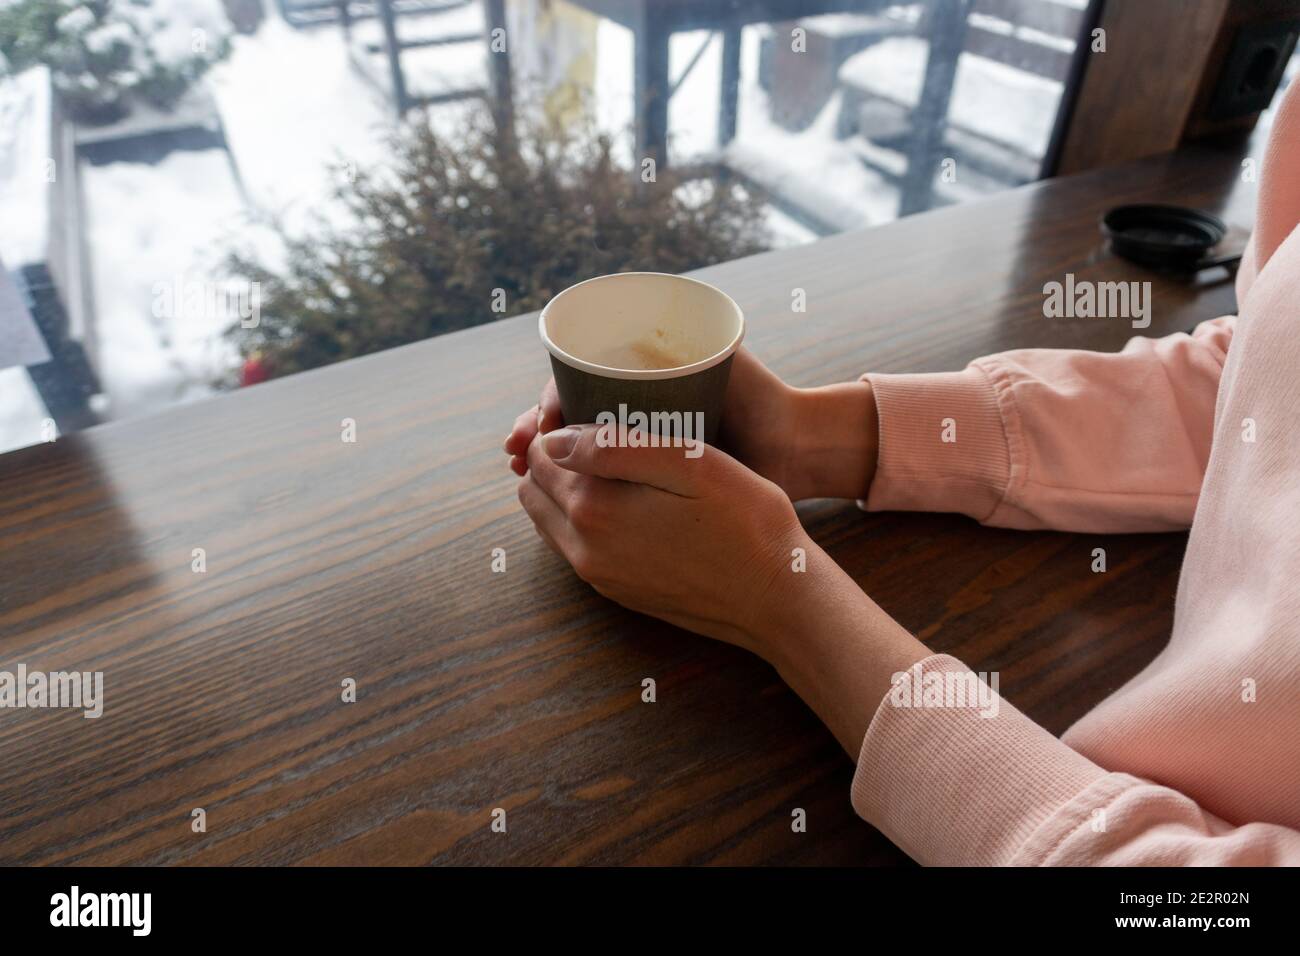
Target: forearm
(1049, 438)
(835, 647)
(834, 441)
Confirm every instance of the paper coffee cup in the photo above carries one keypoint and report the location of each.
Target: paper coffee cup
(643, 342)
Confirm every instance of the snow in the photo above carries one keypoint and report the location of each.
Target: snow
(25, 167)
(24, 202)
(463, 19)
(693, 110)
(431, 70)
(75, 20)
(22, 413)
(852, 24)
(294, 112)
(437, 70)
(1006, 28)
(21, 342)
(174, 27)
(104, 38)
(824, 174)
(427, 71)
(785, 232)
(996, 100)
(613, 86)
(151, 227)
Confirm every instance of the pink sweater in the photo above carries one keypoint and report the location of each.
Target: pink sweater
(1197, 759)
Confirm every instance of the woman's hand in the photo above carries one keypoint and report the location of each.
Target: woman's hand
(816, 442)
(703, 542)
(710, 546)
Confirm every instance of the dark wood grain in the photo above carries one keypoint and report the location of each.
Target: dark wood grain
(521, 690)
(1136, 95)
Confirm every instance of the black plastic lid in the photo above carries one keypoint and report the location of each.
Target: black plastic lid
(1162, 236)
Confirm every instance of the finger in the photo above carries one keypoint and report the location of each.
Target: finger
(521, 433)
(519, 465)
(546, 515)
(549, 415)
(683, 469)
(554, 480)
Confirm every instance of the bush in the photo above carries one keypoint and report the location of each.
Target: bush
(459, 223)
(100, 53)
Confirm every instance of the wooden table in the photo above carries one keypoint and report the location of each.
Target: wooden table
(522, 690)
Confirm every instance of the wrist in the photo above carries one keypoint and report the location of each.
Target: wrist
(834, 441)
(833, 645)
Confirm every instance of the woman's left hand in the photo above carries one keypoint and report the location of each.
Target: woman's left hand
(700, 542)
(708, 545)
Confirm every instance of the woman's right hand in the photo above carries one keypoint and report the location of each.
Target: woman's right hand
(816, 442)
(543, 417)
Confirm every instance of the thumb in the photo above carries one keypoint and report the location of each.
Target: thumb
(682, 469)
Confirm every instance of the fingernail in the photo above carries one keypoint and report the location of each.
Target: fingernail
(540, 416)
(559, 443)
(505, 445)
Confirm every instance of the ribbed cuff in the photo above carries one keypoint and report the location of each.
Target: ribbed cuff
(943, 443)
(953, 787)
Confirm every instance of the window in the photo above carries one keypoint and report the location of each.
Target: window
(183, 168)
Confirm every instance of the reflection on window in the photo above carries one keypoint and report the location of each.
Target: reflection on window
(172, 170)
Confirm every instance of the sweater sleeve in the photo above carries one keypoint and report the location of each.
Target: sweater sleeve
(984, 785)
(1056, 438)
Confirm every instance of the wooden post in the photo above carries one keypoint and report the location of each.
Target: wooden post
(730, 100)
(650, 87)
(394, 52)
(499, 76)
(947, 23)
